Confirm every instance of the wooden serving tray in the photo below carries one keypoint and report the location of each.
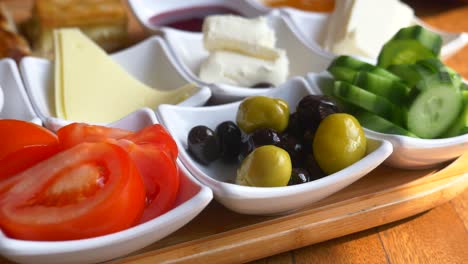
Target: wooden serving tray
(385, 195)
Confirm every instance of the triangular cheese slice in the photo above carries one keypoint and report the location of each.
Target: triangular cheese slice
(58, 95)
(97, 89)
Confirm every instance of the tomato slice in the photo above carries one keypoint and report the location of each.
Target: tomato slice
(160, 176)
(23, 144)
(152, 149)
(76, 133)
(155, 135)
(89, 190)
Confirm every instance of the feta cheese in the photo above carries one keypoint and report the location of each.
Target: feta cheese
(238, 69)
(251, 37)
(361, 27)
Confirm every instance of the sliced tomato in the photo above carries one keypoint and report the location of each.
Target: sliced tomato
(160, 175)
(152, 149)
(89, 190)
(23, 144)
(76, 133)
(155, 135)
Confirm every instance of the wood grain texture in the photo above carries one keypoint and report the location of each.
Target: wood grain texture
(426, 239)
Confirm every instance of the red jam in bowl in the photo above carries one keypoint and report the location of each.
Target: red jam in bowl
(189, 19)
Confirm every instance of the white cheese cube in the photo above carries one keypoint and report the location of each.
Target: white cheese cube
(237, 69)
(252, 37)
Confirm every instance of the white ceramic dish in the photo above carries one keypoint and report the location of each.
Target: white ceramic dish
(149, 61)
(191, 200)
(253, 200)
(312, 28)
(153, 15)
(16, 104)
(408, 152)
(188, 49)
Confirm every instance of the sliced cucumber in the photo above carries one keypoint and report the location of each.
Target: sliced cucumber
(342, 73)
(407, 72)
(395, 91)
(350, 62)
(438, 79)
(460, 127)
(385, 73)
(409, 45)
(379, 124)
(344, 68)
(434, 65)
(433, 111)
(369, 101)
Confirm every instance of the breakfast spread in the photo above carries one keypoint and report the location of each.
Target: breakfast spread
(361, 27)
(61, 186)
(73, 180)
(242, 52)
(89, 84)
(12, 44)
(275, 147)
(409, 92)
(104, 21)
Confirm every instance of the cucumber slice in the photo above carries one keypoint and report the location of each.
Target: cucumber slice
(369, 101)
(396, 92)
(344, 68)
(350, 62)
(379, 124)
(460, 127)
(342, 73)
(434, 65)
(409, 45)
(433, 111)
(439, 79)
(407, 72)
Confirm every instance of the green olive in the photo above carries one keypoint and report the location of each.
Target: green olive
(266, 166)
(338, 142)
(263, 112)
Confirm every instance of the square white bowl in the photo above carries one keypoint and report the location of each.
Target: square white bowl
(191, 200)
(254, 200)
(148, 61)
(16, 104)
(189, 51)
(408, 152)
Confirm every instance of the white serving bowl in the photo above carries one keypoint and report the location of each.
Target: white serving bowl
(408, 152)
(254, 200)
(189, 51)
(153, 15)
(191, 200)
(148, 61)
(14, 102)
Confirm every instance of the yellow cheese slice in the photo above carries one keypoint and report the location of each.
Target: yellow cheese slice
(97, 89)
(58, 91)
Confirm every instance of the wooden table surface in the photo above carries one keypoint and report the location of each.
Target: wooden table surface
(437, 236)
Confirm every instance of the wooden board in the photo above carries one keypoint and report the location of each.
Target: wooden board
(386, 195)
(383, 196)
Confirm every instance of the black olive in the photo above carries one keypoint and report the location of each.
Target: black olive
(312, 109)
(294, 126)
(229, 136)
(203, 144)
(262, 85)
(295, 149)
(258, 138)
(298, 176)
(313, 168)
